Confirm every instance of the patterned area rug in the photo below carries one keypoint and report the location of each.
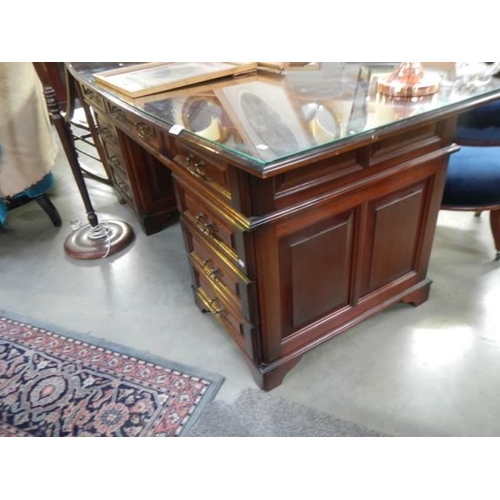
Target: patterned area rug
(58, 385)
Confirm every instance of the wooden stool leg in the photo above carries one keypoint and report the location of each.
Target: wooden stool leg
(44, 201)
(495, 229)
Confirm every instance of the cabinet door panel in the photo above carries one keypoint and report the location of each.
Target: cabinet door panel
(393, 228)
(315, 270)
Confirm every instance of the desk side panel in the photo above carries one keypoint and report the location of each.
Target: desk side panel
(333, 264)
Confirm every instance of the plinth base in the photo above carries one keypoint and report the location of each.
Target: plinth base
(107, 238)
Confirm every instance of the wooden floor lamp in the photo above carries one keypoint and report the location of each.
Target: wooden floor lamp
(95, 240)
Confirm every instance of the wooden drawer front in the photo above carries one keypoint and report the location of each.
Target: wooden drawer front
(236, 287)
(231, 320)
(405, 146)
(115, 161)
(93, 98)
(122, 185)
(107, 132)
(217, 230)
(114, 158)
(139, 130)
(212, 175)
(303, 179)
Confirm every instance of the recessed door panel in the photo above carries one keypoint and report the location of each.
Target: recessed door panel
(315, 270)
(393, 234)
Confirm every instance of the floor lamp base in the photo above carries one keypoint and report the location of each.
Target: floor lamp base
(103, 240)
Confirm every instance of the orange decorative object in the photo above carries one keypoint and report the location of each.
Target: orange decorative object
(409, 80)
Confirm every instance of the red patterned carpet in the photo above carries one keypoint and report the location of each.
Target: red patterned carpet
(54, 385)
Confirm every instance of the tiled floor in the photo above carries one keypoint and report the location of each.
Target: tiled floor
(426, 371)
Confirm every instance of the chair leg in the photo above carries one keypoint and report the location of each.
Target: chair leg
(44, 201)
(495, 229)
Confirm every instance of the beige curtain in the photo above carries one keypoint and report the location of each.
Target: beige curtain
(26, 136)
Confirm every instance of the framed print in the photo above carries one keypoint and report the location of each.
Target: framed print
(370, 73)
(197, 109)
(167, 110)
(281, 68)
(324, 121)
(150, 78)
(273, 67)
(302, 66)
(265, 117)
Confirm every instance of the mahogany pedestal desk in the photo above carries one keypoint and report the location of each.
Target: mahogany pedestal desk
(307, 201)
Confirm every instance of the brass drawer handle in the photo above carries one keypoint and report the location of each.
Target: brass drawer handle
(107, 133)
(205, 225)
(216, 309)
(144, 131)
(117, 113)
(123, 187)
(196, 168)
(115, 162)
(92, 95)
(212, 272)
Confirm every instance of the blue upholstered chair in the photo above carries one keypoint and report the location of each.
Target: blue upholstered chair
(479, 127)
(473, 179)
(36, 192)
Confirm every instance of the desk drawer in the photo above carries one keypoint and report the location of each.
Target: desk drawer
(405, 146)
(138, 129)
(220, 271)
(231, 320)
(112, 157)
(115, 160)
(207, 221)
(122, 185)
(93, 98)
(107, 132)
(213, 174)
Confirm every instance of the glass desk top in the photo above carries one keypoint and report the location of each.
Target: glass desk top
(266, 118)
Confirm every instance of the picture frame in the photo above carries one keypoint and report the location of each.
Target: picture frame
(324, 120)
(304, 66)
(278, 68)
(154, 77)
(265, 117)
(196, 109)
